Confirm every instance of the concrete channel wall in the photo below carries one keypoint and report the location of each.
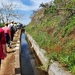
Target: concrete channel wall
(55, 68)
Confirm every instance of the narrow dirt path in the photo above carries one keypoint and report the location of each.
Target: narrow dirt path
(10, 63)
(7, 67)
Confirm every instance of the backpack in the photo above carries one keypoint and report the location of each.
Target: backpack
(12, 29)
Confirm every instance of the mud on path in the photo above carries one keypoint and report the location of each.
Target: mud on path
(8, 64)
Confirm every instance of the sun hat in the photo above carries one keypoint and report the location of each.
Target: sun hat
(6, 23)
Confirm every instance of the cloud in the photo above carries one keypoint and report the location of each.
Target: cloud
(22, 6)
(34, 6)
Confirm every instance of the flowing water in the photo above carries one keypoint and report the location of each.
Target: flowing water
(28, 65)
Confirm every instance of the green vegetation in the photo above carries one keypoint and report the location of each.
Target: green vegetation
(1, 24)
(54, 31)
(67, 29)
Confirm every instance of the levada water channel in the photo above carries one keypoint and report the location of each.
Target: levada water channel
(29, 62)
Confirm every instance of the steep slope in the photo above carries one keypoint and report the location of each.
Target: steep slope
(55, 32)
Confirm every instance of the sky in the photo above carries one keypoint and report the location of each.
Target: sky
(26, 7)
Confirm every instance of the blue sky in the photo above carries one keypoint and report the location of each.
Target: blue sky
(26, 7)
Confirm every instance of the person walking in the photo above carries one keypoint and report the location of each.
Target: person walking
(7, 34)
(3, 50)
(12, 30)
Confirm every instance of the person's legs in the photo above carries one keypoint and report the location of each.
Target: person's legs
(11, 37)
(0, 62)
(8, 40)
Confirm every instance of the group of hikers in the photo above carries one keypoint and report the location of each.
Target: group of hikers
(6, 36)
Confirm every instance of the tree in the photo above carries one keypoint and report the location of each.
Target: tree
(7, 12)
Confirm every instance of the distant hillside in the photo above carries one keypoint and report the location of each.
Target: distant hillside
(53, 28)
